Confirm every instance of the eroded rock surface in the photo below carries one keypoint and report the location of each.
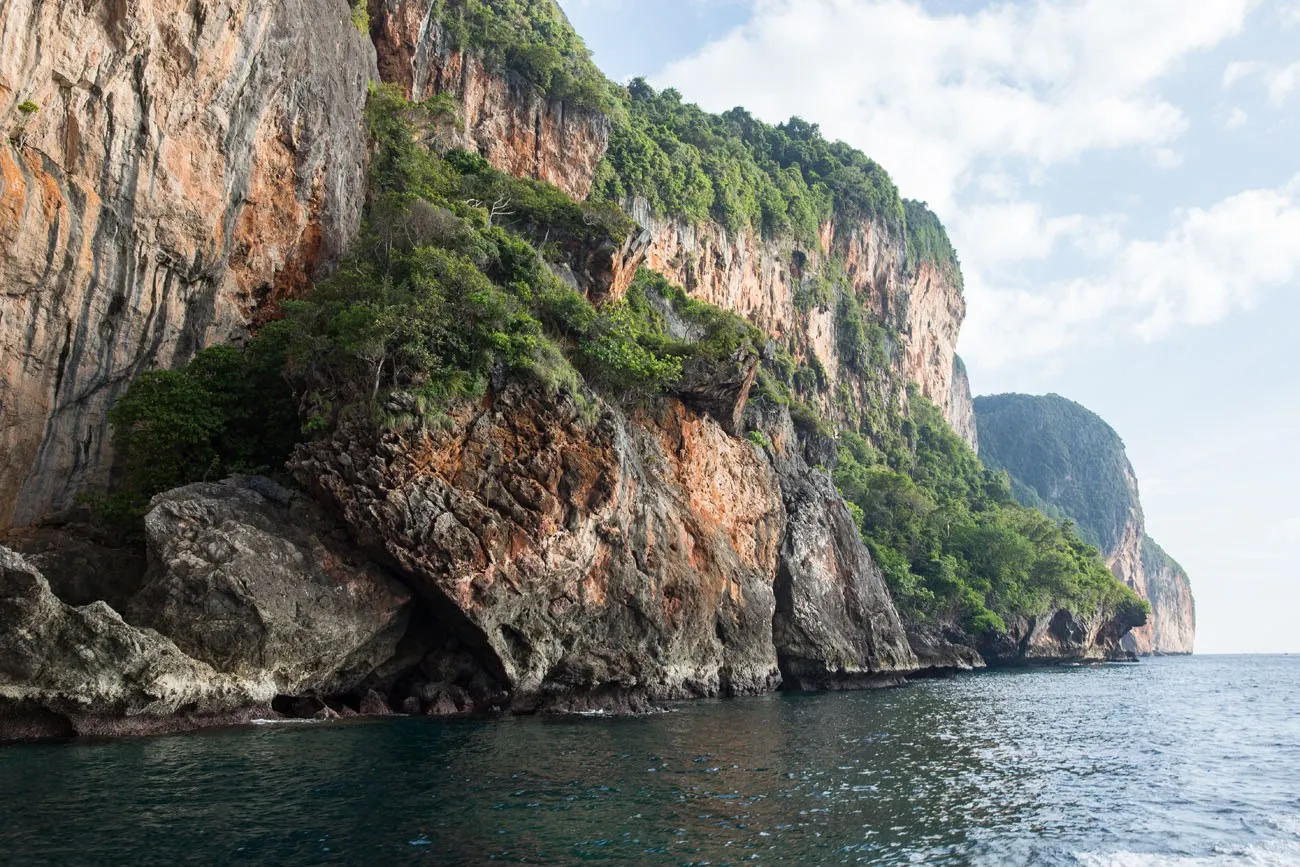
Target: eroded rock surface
(66, 670)
(243, 576)
(189, 164)
(577, 552)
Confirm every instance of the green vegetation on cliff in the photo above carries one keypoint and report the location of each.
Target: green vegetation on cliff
(1062, 458)
(952, 541)
(532, 38)
(745, 174)
(446, 289)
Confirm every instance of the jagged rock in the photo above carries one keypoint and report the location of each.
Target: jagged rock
(836, 626)
(190, 164)
(373, 704)
(244, 576)
(572, 551)
(943, 648)
(66, 670)
(1062, 636)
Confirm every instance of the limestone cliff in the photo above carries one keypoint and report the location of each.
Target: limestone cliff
(762, 279)
(499, 114)
(522, 131)
(1067, 461)
(167, 171)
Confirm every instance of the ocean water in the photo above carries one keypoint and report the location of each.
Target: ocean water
(1177, 761)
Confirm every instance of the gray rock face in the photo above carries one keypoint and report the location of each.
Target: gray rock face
(243, 577)
(835, 625)
(1061, 636)
(66, 670)
(190, 164)
(248, 599)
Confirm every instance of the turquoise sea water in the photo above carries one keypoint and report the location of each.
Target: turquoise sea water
(1179, 761)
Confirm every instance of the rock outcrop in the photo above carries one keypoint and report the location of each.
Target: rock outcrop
(66, 670)
(243, 576)
(250, 607)
(186, 165)
(1061, 637)
(836, 626)
(500, 115)
(576, 551)
(592, 557)
(1066, 460)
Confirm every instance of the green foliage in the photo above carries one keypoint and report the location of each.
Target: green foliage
(777, 180)
(361, 17)
(951, 541)
(228, 411)
(449, 287)
(532, 38)
(759, 439)
(28, 108)
(1063, 458)
(927, 240)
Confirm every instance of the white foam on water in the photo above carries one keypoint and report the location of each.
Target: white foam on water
(285, 722)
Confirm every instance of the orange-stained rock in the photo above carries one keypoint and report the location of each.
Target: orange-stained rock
(502, 116)
(758, 278)
(590, 557)
(189, 165)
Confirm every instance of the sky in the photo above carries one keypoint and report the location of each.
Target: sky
(1121, 179)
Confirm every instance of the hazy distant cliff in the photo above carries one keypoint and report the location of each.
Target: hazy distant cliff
(1067, 460)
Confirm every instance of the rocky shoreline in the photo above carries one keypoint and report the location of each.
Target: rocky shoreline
(255, 604)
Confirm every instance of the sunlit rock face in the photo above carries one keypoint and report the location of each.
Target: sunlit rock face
(187, 165)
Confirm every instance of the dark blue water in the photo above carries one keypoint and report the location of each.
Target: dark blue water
(1169, 762)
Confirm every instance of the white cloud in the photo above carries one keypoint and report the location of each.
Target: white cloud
(1214, 261)
(1239, 70)
(1289, 12)
(1236, 119)
(1279, 81)
(931, 96)
(1168, 158)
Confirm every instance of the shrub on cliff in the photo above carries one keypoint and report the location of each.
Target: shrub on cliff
(227, 411)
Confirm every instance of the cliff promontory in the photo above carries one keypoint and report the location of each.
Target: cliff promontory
(1067, 460)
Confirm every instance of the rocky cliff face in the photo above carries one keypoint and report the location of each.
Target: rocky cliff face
(1173, 622)
(587, 556)
(500, 115)
(189, 164)
(1068, 461)
(249, 605)
(760, 279)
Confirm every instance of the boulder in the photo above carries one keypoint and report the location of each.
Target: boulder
(244, 576)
